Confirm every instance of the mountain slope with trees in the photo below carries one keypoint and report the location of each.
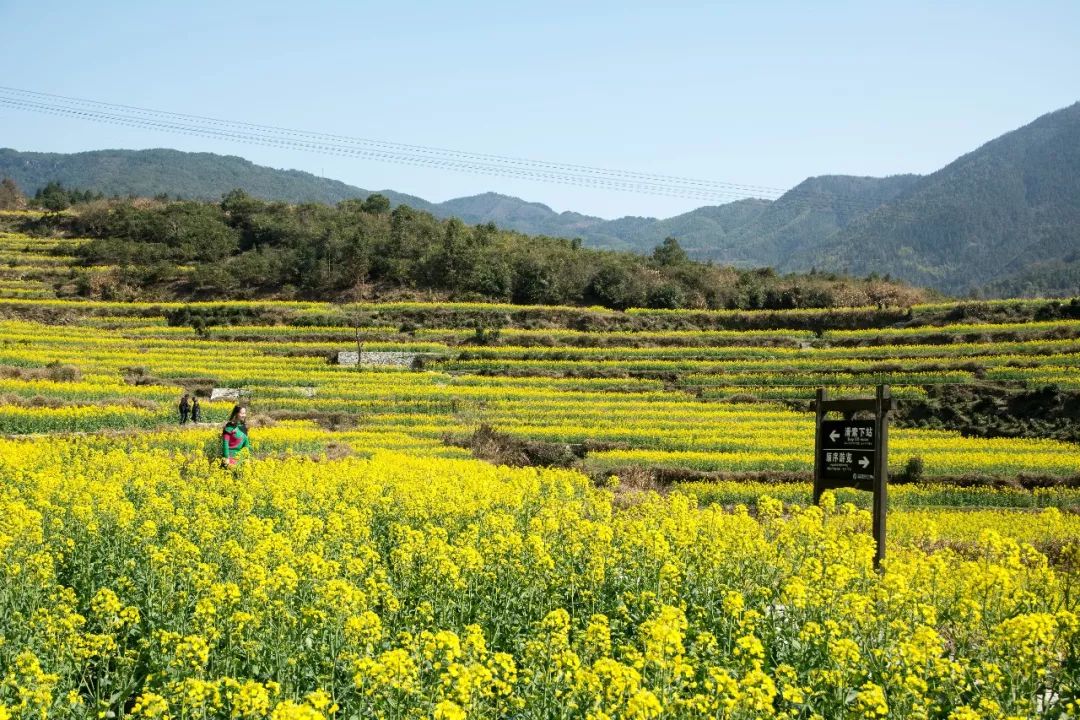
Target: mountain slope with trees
(1001, 220)
(193, 176)
(1005, 216)
(247, 248)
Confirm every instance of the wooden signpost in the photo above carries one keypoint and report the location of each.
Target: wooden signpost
(855, 453)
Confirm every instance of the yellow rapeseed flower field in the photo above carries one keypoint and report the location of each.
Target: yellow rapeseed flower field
(148, 582)
(360, 562)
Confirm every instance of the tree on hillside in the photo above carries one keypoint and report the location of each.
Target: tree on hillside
(670, 253)
(52, 197)
(244, 247)
(376, 204)
(239, 206)
(618, 283)
(11, 198)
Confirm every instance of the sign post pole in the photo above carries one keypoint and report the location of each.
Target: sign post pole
(819, 408)
(883, 399)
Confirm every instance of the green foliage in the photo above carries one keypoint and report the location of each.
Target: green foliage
(246, 248)
(1054, 278)
(914, 470)
(179, 175)
(54, 197)
(618, 283)
(208, 316)
(669, 253)
(376, 204)
(1000, 221)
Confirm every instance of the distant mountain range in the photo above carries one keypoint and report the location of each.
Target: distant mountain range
(1001, 220)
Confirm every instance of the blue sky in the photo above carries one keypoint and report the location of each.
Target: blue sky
(763, 93)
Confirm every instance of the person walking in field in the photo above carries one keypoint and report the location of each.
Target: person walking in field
(185, 407)
(196, 410)
(234, 437)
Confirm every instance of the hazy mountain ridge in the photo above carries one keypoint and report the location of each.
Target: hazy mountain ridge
(152, 172)
(993, 213)
(1004, 218)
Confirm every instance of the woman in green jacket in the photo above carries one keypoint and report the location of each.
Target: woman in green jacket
(234, 437)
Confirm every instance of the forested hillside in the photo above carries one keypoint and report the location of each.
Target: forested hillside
(1002, 220)
(192, 176)
(244, 247)
(1005, 217)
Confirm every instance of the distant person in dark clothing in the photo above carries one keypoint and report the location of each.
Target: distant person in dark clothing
(185, 407)
(196, 410)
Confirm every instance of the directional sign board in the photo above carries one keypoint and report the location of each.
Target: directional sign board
(854, 453)
(847, 451)
(848, 434)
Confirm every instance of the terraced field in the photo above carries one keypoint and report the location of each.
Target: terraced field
(363, 563)
(627, 398)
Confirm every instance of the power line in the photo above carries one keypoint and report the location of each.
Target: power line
(382, 156)
(649, 178)
(418, 155)
(401, 146)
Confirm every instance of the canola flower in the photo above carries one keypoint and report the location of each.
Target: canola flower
(142, 580)
(407, 581)
(646, 421)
